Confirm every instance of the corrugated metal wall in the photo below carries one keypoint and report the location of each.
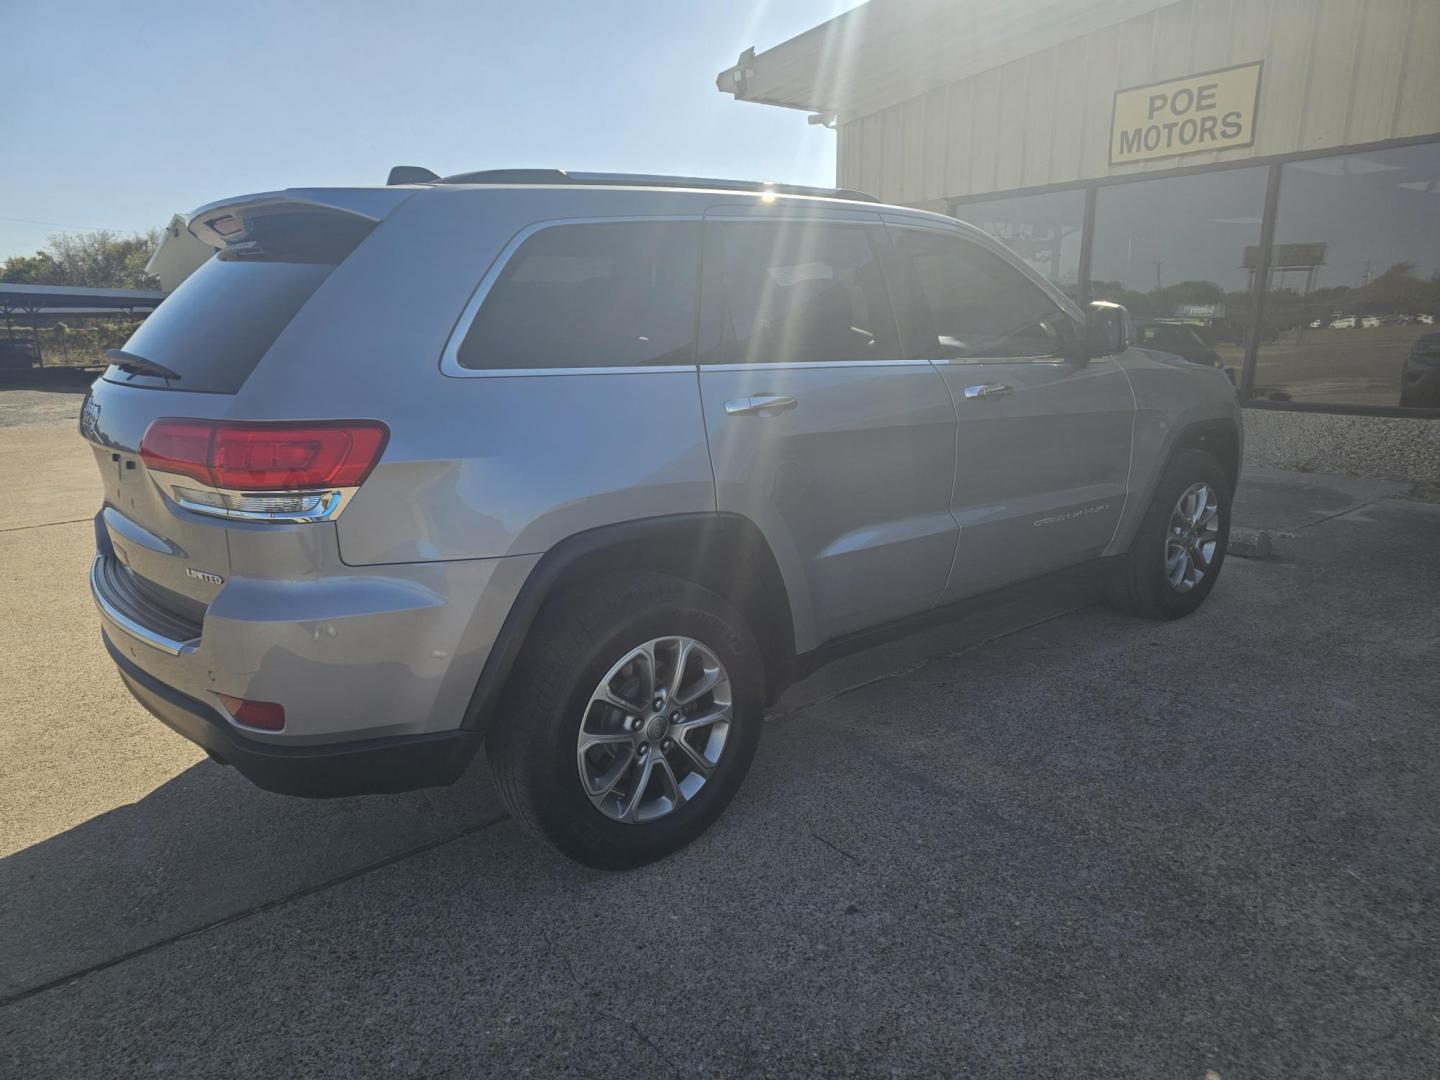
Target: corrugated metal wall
(1337, 72)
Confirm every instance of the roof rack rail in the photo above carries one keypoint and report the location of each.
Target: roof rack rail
(561, 176)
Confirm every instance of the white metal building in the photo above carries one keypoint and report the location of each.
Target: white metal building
(178, 255)
(1256, 178)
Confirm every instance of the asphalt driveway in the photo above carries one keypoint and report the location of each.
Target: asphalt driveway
(1047, 841)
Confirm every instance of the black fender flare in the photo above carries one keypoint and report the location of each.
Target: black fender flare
(721, 551)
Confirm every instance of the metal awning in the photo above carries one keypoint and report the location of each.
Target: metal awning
(66, 300)
(886, 51)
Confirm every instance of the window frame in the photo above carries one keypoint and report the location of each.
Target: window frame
(712, 299)
(910, 284)
(1274, 163)
(450, 356)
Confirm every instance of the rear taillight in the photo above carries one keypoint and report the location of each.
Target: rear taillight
(265, 456)
(283, 471)
(265, 715)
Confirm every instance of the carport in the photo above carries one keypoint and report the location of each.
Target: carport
(42, 307)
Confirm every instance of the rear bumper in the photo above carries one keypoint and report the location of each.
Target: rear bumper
(368, 766)
(352, 653)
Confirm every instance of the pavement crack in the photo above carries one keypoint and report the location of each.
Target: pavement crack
(45, 524)
(569, 962)
(256, 909)
(1340, 513)
(651, 1043)
(838, 850)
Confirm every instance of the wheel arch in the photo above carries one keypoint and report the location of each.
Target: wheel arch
(1219, 437)
(723, 552)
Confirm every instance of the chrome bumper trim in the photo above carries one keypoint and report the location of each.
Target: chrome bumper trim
(129, 625)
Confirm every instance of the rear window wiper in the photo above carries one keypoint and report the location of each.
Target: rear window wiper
(138, 365)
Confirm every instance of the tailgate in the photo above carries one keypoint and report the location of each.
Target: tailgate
(190, 359)
(168, 549)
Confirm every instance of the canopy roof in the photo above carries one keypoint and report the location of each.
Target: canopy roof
(63, 299)
(886, 51)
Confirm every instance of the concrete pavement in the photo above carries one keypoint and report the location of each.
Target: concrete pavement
(1044, 841)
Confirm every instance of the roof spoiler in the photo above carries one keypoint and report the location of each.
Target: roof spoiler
(224, 223)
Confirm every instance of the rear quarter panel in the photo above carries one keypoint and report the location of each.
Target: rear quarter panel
(476, 467)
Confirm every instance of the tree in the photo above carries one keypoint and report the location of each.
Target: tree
(1398, 289)
(1189, 292)
(94, 260)
(37, 269)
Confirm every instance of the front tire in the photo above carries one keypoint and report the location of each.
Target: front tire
(1179, 548)
(630, 720)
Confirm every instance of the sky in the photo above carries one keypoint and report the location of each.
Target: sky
(121, 114)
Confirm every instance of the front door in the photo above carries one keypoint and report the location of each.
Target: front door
(838, 447)
(1043, 441)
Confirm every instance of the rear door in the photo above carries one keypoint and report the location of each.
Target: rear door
(821, 431)
(1043, 440)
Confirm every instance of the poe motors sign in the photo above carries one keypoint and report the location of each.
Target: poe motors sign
(1211, 111)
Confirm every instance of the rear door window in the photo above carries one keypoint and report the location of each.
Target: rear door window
(607, 294)
(796, 292)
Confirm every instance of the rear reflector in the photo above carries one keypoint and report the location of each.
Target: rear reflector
(265, 715)
(280, 456)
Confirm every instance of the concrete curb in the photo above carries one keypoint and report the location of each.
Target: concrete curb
(1250, 543)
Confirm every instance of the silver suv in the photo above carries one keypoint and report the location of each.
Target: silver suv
(586, 469)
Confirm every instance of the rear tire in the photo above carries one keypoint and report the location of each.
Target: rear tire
(561, 736)
(1179, 549)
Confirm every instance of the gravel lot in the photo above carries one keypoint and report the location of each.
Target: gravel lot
(1046, 841)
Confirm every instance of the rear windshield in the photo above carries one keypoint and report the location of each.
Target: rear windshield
(213, 330)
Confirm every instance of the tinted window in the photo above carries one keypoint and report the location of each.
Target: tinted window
(1044, 230)
(214, 328)
(1181, 249)
(978, 304)
(794, 292)
(1353, 297)
(606, 295)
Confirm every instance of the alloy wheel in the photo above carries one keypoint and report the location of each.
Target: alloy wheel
(1192, 537)
(654, 729)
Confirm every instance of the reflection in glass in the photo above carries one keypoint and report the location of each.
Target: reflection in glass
(802, 293)
(977, 303)
(1173, 251)
(593, 295)
(1354, 287)
(1044, 230)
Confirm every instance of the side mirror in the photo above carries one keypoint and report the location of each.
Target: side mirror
(1107, 329)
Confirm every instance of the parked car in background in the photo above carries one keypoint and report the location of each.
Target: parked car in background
(501, 459)
(1182, 339)
(1347, 322)
(1369, 322)
(1420, 378)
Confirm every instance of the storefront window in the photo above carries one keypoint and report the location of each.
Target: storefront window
(1354, 288)
(1044, 230)
(1174, 252)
